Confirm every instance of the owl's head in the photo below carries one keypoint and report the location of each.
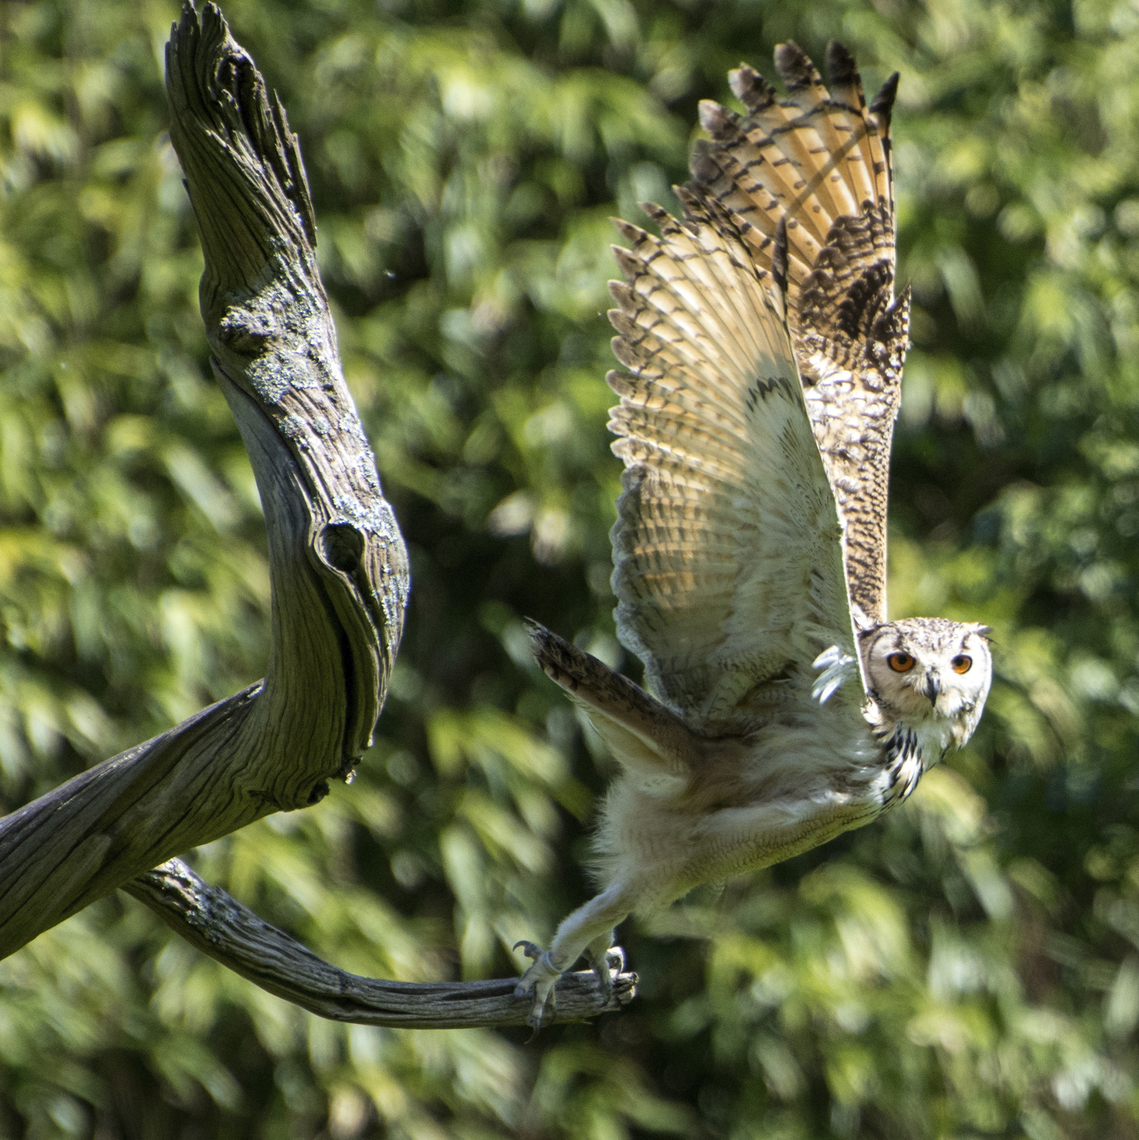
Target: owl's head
(930, 674)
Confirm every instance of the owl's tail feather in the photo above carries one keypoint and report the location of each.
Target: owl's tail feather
(640, 732)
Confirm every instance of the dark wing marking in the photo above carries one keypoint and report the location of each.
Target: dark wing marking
(821, 159)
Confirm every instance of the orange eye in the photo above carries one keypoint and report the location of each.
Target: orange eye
(900, 662)
(962, 664)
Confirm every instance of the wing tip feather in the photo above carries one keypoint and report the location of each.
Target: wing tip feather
(751, 89)
(842, 68)
(717, 120)
(882, 105)
(629, 231)
(795, 68)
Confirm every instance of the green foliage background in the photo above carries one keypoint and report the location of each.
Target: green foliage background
(967, 968)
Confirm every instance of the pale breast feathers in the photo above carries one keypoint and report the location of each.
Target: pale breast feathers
(727, 548)
(821, 159)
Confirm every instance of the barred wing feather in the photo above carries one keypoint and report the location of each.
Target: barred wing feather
(821, 159)
(727, 547)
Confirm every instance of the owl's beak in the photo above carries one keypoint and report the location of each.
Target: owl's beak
(932, 688)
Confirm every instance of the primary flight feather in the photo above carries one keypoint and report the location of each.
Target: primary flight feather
(763, 346)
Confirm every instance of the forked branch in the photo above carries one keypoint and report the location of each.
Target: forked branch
(337, 562)
(339, 581)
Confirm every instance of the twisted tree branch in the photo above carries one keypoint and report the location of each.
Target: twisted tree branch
(218, 925)
(339, 580)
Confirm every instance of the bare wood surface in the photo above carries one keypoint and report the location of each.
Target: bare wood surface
(337, 562)
(339, 581)
(221, 927)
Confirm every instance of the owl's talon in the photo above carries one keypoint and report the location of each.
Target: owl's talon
(606, 966)
(540, 980)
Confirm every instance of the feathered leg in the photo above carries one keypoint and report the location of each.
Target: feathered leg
(656, 747)
(589, 930)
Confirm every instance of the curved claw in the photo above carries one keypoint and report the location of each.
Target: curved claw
(540, 980)
(606, 966)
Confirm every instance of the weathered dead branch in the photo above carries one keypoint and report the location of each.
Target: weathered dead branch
(337, 562)
(219, 926)
(339, 580)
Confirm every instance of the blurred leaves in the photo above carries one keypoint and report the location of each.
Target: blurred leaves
(967, 967)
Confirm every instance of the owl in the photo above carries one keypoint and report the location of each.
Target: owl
(763, 346)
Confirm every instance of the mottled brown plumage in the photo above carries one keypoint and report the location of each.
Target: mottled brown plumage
(821, 160)
(762, 346)
(712, 425)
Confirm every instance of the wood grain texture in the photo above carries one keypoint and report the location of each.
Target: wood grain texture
(221, 927)
(337, 562)
(339, 582)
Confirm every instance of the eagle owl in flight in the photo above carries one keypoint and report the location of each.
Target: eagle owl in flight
(764, 348)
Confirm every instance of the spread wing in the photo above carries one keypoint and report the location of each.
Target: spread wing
(821, 159)
(727, 548)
